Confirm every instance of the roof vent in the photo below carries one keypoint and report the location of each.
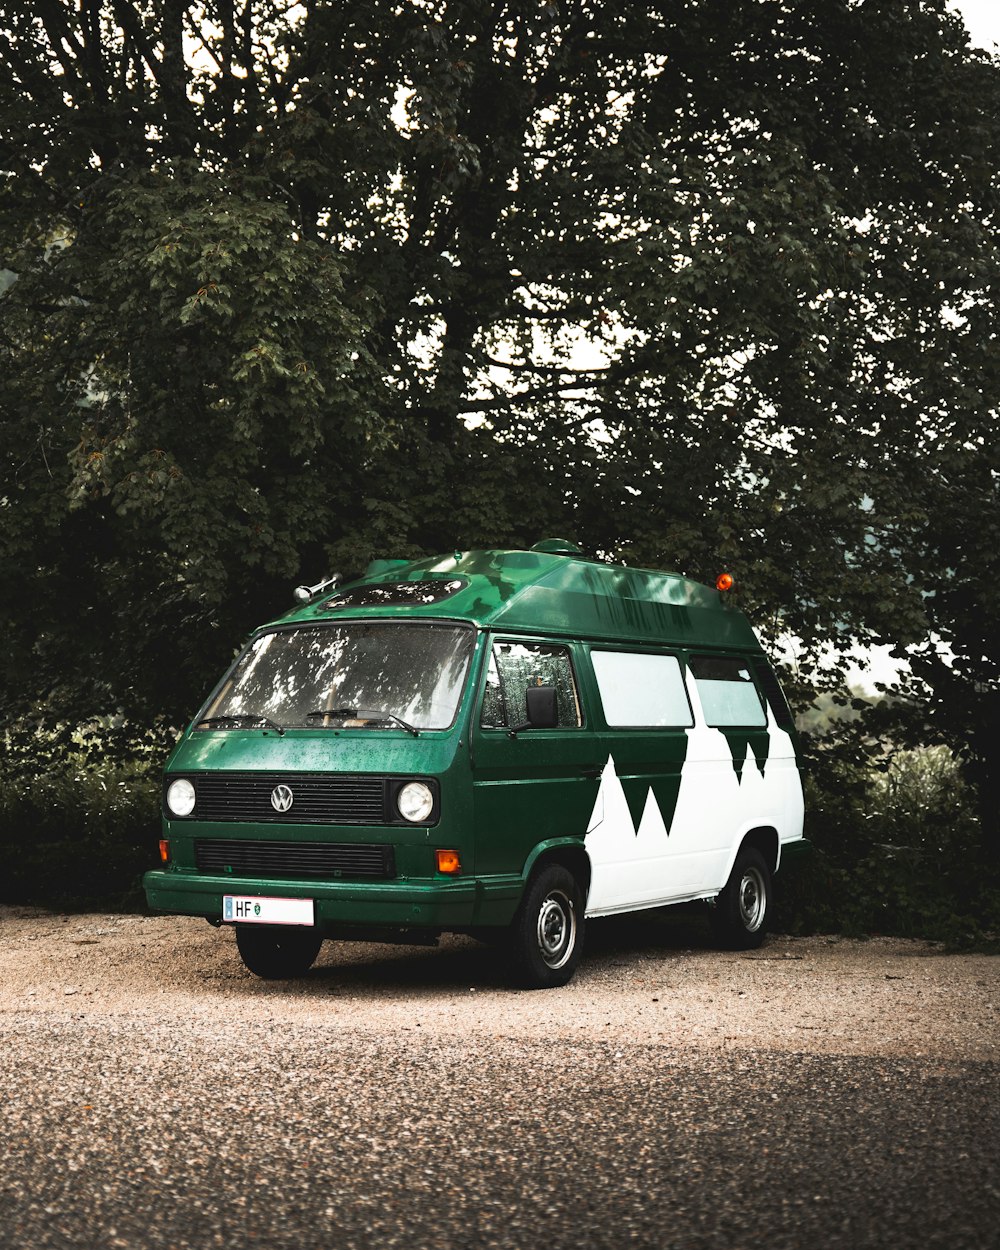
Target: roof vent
(557, 547)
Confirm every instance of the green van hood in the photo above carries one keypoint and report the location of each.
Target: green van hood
(389, 751)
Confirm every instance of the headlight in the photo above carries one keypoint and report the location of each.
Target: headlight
(180, 797)
(415, 801)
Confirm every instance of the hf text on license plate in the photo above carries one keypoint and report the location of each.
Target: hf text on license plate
(252, 909)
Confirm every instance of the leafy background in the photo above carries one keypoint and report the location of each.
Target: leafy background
(700, 284)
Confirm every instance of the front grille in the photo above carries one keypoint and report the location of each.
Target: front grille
(294, 860)
(316, 800)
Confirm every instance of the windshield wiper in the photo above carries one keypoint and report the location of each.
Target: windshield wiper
(331, 711)
(363, 714)
(234, 718)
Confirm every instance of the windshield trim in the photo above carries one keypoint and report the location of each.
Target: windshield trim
(338, 622)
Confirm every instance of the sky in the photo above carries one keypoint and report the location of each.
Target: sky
(982, 20)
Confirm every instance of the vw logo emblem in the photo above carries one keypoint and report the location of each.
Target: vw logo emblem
(282, 798)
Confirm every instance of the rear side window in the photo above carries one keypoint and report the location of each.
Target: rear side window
(516, 665)
(641, 691)
(728, 694)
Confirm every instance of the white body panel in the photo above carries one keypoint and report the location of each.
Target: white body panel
(716, 807)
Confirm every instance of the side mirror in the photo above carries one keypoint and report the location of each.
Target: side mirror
(541, 707)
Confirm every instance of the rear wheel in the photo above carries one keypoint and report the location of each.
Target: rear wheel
(278, 952)
(742, 909)
(547, 933)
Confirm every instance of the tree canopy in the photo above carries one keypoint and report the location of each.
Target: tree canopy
(701, 283)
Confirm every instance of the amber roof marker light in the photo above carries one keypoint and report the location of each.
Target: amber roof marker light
(724, 582)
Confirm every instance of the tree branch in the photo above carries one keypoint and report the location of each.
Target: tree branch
(62, 39)
(519, 367)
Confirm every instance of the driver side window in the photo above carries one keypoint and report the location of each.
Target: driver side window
(514, 666)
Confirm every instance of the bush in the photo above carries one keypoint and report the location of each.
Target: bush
(79, 813)
(897, 842)
(898, 850)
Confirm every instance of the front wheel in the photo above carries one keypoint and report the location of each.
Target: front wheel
(742, 909)
(547, 933)
(278, 952)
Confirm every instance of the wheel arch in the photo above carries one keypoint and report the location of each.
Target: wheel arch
(763, 838)
(569, 853)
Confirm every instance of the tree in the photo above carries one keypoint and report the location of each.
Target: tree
(703, 283)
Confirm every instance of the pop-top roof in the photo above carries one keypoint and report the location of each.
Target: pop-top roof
(541, 592)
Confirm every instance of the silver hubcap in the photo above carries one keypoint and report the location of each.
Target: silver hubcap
(753, 900)
(556, 929)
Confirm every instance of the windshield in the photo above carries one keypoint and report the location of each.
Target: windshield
(351, 675)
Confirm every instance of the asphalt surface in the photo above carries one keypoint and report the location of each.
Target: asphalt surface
(186, 1105)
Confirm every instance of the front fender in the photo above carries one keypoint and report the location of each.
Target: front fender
(562, 850)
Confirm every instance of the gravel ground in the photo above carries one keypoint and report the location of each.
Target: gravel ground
(817, 1092)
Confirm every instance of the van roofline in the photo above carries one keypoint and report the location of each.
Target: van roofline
(550, 594)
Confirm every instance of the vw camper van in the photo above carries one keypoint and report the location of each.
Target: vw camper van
(501, 743)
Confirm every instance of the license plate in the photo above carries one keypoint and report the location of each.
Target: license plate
(251, 909)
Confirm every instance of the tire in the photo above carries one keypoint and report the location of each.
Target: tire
(278, 952)
(743, 908)
(546, 936)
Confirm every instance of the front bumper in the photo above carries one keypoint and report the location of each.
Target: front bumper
(408, 904)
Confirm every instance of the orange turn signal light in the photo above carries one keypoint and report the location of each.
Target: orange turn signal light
(165, 850)
(724, 581)
(449, 863)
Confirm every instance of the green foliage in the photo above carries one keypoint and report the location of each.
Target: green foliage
(897, 847)
(702, 283)
(79, 814)
(898, 850)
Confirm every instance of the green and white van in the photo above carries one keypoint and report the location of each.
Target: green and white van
(500, 743)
